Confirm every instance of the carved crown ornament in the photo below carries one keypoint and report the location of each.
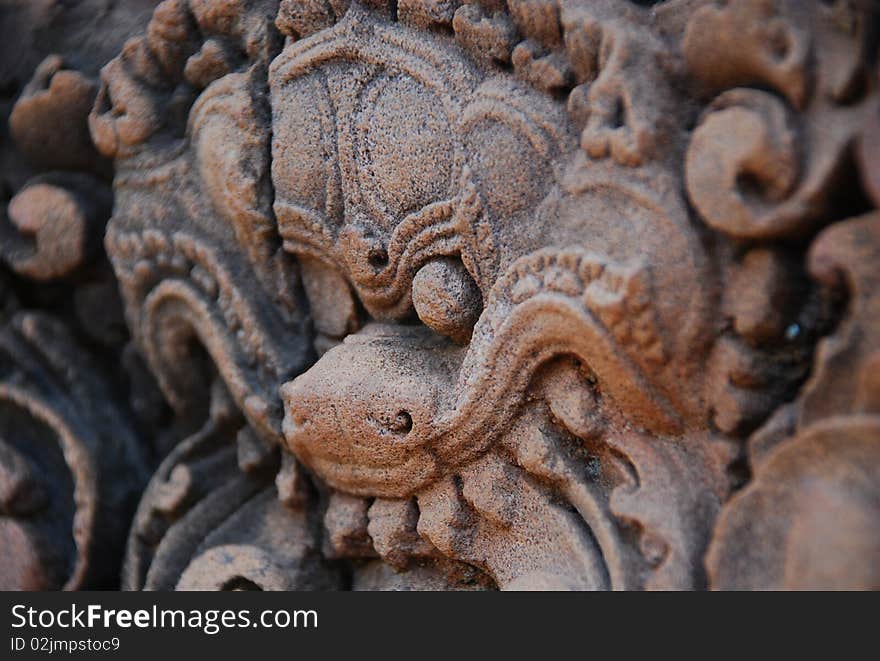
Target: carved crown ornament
(432, 294)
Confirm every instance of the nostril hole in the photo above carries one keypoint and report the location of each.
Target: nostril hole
(378, 257)
(297, 419)
(618, 116)
(402, 423)
(779, 46)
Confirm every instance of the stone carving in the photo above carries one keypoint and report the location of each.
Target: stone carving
(817, 456)
(64, 443)
(428, 294)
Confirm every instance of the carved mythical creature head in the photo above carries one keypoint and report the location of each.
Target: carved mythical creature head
(486, 261)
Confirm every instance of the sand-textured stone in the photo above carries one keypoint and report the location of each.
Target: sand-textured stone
(440, 294)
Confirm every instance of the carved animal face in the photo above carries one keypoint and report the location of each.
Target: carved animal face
(403, 153)
(620, 224)
(361, 416)
(420, 181)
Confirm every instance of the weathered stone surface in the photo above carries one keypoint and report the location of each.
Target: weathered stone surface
(429, 294)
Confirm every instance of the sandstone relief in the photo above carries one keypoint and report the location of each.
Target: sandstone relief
(440, 294)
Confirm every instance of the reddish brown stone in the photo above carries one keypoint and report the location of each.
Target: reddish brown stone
(430, 294)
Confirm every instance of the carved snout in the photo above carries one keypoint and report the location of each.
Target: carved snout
(362, 416)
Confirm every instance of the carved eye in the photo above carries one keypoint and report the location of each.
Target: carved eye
(447, 299)
(378, 257)
(402, 423)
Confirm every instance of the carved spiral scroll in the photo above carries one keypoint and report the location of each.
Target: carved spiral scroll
(70, 463)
